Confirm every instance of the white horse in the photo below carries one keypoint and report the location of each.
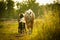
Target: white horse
(29, 18)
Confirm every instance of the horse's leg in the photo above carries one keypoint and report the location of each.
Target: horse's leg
(32, 25)
(29, 27)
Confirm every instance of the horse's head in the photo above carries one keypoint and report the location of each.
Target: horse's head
(29, 12)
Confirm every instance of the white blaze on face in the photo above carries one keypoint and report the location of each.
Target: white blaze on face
(29, 15)
(29, 12)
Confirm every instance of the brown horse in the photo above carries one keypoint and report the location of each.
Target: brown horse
(29, 18)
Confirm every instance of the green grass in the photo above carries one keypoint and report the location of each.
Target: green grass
(46, 28)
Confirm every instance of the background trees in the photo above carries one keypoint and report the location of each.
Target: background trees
(7, 8)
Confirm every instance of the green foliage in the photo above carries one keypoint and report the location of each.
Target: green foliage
(46, 25)
(8, 11)
(2, 9)
(30, 4)
(45, 28)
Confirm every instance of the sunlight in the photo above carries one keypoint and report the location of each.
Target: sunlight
(41, 2)
(18, 0)
(44, 2)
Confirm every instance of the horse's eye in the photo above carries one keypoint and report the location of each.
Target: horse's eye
(30, 12)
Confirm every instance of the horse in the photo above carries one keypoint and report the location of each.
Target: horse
(29, 18)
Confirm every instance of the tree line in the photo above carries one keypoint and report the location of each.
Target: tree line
(7, 8)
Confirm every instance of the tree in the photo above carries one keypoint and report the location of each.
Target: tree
(30, 4)
(10, 9)
(2, 9)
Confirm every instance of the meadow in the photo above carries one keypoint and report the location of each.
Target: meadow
(44, 28)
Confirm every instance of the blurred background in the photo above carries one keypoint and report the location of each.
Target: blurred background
(46, 23)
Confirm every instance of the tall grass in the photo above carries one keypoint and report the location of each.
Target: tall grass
(45, 28)
(48, 27)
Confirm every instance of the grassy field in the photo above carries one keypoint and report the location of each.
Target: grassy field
(45, 28)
